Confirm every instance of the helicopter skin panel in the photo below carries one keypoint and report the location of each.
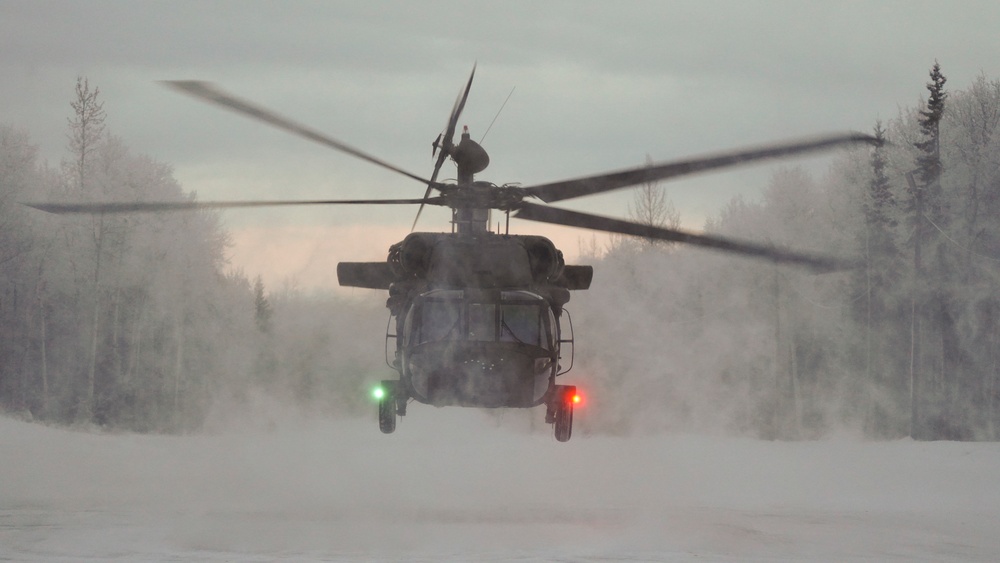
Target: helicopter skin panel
(492, 262)
(575, 277)
(369, 275)
(469, 374)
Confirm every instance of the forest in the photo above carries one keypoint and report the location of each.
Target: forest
(138, 322)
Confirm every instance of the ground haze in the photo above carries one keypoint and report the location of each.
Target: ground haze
(454, 484)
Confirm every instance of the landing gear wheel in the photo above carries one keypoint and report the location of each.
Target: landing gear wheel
(564, 421)
(559, 411)
(387, 408)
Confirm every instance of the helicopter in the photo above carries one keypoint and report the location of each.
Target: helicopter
(477, 317)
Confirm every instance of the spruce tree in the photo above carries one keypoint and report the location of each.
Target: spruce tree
(933, 301)
(929, 167)
(878, 311)
(262, 307)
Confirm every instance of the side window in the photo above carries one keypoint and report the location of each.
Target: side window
(547, 327)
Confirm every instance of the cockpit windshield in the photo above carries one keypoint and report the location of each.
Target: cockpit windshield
(498, 316)
(440, 319)
(521, 322)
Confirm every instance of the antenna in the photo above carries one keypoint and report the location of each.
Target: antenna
(497, 115)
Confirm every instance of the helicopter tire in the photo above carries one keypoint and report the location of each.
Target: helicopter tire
(564, 421)
(387, 408)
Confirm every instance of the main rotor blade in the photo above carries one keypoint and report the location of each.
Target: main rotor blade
(427, 192)
(456, 110)
(557, 216)
(567, 189)
(159, 206)
(447, 141)
(210, 93)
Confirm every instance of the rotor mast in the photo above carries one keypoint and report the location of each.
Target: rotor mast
(471, 159)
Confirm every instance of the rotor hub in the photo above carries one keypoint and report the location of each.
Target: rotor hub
(470, 157)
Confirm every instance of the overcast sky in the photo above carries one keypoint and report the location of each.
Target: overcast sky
(598, 86)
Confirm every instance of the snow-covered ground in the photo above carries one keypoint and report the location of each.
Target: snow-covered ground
(452, 484)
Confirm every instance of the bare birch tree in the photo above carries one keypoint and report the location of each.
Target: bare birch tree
(651, 206)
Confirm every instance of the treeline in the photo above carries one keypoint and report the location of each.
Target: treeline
(907, 344)
(137, 321)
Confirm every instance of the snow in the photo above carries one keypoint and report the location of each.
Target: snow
(457, 485)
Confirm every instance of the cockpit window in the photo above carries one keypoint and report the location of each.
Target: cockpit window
(509, 316)
(440, 319)
(482, 321)
(521, 323)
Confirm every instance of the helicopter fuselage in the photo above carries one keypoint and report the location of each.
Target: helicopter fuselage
(478, 348)
(478, 318)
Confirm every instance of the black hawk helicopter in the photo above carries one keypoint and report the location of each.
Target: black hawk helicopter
(478, 315)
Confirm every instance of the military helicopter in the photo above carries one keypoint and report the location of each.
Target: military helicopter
(477, 317)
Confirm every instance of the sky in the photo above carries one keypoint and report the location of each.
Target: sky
(597, 86)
